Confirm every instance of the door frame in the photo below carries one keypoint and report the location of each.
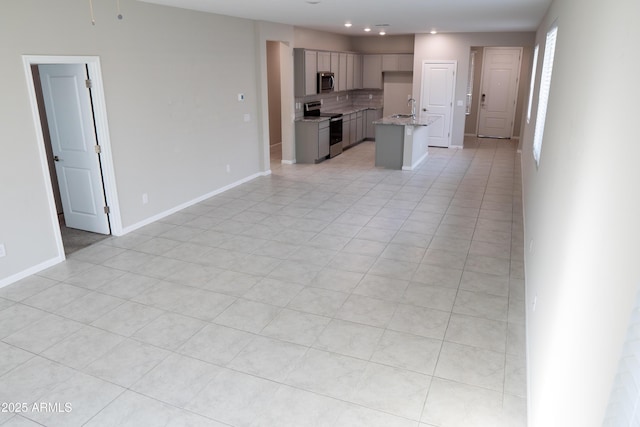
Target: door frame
(102, 132)
(453, 91)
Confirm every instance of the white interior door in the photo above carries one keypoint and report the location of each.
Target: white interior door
(67, 102)
(499, 91)
(438, 86)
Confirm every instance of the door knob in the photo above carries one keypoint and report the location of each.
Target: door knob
(56, 158)
(424, 109)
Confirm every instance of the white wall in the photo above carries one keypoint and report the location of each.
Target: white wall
(581, 210)
(375, 43)
(397, 86)
(171, 79)
(457, 46)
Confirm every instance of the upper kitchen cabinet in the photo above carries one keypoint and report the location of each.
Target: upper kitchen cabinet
(335, 64)
(341, 77)
(372, 71)
(357, 71)
(324, 61)
(397, 62)
(350, 59)
(351, 70)
(305, 72)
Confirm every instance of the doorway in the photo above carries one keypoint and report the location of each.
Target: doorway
(499, 91)
(274, 93)
(280, 110)
(70, 116)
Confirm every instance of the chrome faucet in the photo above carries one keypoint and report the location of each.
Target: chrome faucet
(412, 103)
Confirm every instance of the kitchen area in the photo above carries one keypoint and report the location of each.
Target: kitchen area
(340, 101)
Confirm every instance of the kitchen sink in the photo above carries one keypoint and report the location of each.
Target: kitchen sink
(402, 116)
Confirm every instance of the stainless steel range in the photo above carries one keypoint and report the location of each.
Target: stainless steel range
(312, 109)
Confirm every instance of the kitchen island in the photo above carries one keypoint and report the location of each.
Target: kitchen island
(402, 141)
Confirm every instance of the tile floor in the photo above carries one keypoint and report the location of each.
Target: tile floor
(334, 294)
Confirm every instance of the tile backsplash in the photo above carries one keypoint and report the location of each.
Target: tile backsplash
(339, 100)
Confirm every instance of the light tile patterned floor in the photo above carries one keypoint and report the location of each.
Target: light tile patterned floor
(334, 294)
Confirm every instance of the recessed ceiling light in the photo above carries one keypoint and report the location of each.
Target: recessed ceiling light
(434, 32)
(348, 24)
(367, 29)
(382, 33)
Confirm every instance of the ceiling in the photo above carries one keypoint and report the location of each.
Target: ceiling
(402, 16)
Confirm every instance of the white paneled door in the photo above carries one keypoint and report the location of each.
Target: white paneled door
(438, 85)
(499, 91)
(67, 101)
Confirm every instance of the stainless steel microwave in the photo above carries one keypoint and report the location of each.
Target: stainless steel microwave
(326, 82)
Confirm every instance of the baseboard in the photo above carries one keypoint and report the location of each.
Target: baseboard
(456, 147)
(287, 162)
(31, 271)
(58, 259)
(178, 208)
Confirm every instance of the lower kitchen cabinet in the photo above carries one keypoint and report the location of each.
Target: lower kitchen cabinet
(372, 115)
(353, 128)
(346, 131)
(312, 141)
(360, 125)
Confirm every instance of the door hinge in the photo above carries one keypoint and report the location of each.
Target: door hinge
(107, 210)
(88, 83)
(98, 149)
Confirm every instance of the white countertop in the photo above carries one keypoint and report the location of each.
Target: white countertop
(405, 121)
(343, 111)
(316, 119)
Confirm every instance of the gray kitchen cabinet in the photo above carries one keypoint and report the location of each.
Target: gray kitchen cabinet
(389, 62)
(372, 71)
(324, 61)
(311, 73)
(305, 72)
(312, 141)
(335, 65)
(397, 62)
(351, 70)
(360, 129)
(405, 62)
(372, 115)
(350, 63)
(323, 141)
(346, 131)
(342, 73)
(352, 130)
(357, 71)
